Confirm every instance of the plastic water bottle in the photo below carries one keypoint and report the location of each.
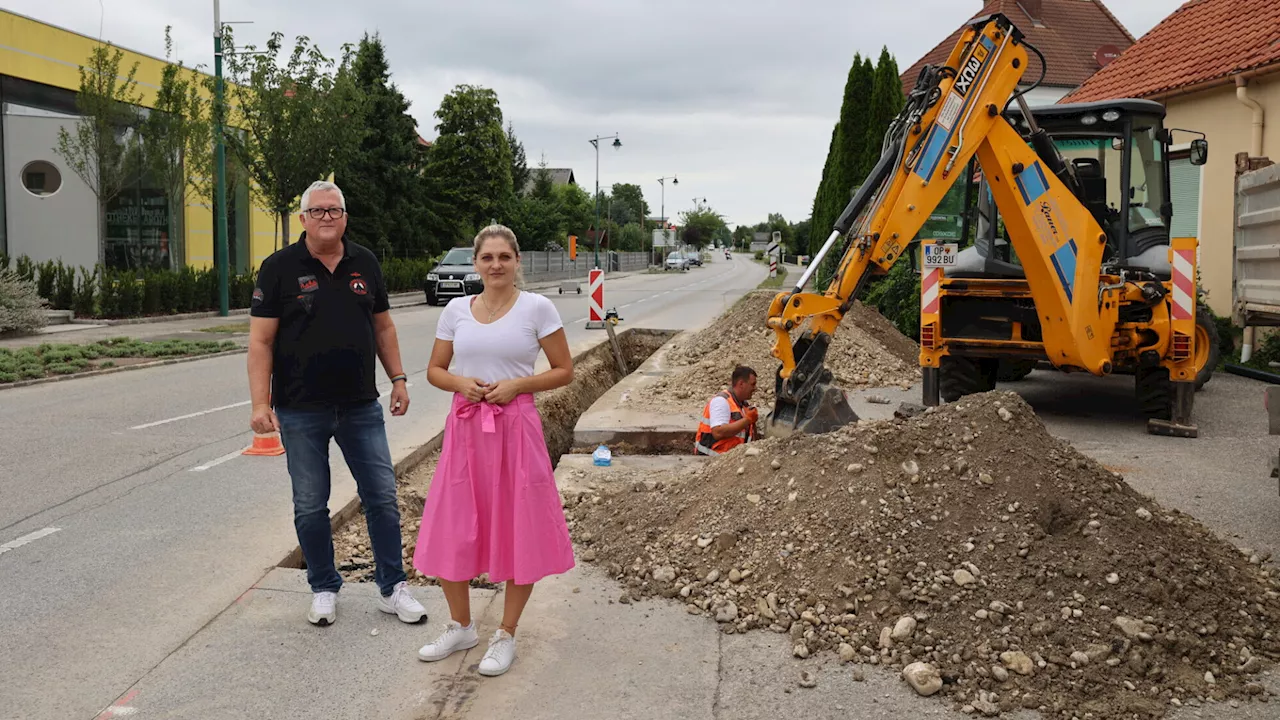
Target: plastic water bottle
(602, 456)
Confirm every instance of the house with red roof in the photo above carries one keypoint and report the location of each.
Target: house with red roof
(1215, 66)
(1076, 36)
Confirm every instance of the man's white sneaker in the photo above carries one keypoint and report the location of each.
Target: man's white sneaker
(324, 608)
(401, 604)
(501, 653)
(454, 638)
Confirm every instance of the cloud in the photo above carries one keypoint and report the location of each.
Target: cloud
(737, 97)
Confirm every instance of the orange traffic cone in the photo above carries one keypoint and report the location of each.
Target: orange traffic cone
(268, 445)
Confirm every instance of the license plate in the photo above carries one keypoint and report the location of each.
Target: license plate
(941, 255)
(450, 284)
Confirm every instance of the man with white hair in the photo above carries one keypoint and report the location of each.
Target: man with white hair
(319, 317)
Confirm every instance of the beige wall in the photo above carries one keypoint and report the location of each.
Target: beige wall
(1227, 125)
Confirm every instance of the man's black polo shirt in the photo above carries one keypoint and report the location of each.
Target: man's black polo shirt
(325, 349)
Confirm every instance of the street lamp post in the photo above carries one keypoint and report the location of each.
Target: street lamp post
(595, 142)
(219, 168)
(663, 211)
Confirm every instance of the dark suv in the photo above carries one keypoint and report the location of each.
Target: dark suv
(455, 276)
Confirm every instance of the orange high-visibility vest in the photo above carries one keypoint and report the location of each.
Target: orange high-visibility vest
(706, 443)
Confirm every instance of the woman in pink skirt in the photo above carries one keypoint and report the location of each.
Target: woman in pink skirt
(493, 506)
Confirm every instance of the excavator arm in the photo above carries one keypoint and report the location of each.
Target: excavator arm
(954, 112)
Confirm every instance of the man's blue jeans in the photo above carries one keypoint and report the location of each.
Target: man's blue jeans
(362, 436)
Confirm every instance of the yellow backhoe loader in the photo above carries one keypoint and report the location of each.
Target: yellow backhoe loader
(1073, 262)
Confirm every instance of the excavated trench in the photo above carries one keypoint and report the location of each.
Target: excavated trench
(595, 372)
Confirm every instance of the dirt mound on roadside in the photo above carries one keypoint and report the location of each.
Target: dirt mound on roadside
(866, 351)
(968, 538)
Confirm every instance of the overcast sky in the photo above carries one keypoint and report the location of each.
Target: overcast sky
(736, 97)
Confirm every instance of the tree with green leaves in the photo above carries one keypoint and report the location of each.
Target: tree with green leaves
(177, 142)
(469, 166)
(519, 163)
(848, 145)
(382, 179)
(886, 102)
(628, 204)
(297, 116)
(701, 225)
(101, 148)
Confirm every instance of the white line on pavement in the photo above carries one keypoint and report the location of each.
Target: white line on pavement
(219, 461)
(189, 416)
(29, 537)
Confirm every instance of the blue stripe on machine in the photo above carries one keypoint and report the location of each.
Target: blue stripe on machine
(1064, 262)
(932, 152)
(1032, 183)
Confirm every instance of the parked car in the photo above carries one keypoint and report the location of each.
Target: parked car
(677, 261)
(694, 258)
(453, 277)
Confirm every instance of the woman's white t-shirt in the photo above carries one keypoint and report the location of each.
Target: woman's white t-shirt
(503, 349)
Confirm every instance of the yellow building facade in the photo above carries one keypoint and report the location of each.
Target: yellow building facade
(47, 212)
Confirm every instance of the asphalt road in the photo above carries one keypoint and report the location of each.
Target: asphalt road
(129, 519)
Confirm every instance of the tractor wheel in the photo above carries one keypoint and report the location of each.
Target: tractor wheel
(960, 376)
(1154, 392)
(1208, 350)
(1014, 370)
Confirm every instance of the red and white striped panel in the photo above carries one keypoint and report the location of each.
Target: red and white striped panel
(595, 294)
(929, 290)
(1184, 284)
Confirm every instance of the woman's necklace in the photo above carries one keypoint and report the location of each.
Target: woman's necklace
(500, 307)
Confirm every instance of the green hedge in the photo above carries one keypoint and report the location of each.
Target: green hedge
(105, 293)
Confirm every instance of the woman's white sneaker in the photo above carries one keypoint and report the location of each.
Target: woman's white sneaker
(401, 604)
(454, 638)
(501, 653)
(324, 608)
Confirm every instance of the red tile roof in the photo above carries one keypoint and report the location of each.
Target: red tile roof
(1201, 42)
(1068, 33)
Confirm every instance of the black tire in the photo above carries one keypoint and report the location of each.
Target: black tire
(1207, 331)
(1154, 392)
(960, 376)
(1014, 370)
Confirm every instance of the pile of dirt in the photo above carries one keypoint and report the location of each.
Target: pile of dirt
(866, 351)
(994, 563)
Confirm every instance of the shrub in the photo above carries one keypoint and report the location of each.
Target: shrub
(21, 309)
(86, 293)
(26, 269)
(64, 288)
(47, 272)
(897, 297)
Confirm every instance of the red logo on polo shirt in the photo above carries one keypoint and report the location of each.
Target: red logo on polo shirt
(358, 287)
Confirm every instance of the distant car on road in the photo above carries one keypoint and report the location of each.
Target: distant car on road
(453, 277)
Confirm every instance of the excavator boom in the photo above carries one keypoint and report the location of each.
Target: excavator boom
(954, 112)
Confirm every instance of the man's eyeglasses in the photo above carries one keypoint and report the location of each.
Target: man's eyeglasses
(319, 213)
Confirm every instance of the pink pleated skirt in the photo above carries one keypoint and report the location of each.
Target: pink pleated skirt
(493, 506)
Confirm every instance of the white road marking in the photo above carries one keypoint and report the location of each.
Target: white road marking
(29, 537)
(219, 461)
(189, 415)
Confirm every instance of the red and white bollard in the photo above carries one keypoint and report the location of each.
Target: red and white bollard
(595, 298)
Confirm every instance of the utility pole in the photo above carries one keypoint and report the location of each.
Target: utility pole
(663, 211)
(595, 142)
(219, 168)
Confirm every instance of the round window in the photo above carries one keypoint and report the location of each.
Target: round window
(41, 178)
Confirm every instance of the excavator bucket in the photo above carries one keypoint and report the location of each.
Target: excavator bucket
(822, 410)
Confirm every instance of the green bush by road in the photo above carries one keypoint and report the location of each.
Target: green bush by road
(51, 359)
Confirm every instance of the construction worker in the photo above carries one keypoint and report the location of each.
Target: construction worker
(728, 420)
